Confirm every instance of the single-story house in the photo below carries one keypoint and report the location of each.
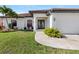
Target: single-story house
(65, 19)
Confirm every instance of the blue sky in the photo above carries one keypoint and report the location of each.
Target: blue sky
(26, 8)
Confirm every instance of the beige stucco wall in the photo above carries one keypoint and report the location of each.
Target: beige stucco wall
(4, 21)
(21, 22)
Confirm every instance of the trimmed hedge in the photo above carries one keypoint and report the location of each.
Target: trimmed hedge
(53, 32)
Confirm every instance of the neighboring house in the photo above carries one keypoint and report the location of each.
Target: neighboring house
(66, 20)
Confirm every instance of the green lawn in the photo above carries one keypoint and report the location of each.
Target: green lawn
(23, 42)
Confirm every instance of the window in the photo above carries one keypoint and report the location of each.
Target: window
(14, 23)
(29, 24)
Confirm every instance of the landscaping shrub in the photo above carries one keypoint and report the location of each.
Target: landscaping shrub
(53, 32)
(25, 28)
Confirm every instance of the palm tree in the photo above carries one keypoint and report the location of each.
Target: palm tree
(7, 12)
(12, 14)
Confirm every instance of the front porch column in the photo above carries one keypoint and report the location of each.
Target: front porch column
(51, 21)
(34, 24)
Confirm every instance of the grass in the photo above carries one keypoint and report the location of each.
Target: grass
(23, 43)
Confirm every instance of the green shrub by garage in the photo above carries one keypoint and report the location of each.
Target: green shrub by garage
(53, 32)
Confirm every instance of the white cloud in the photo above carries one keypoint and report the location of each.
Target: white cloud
(21, 12)
(16, 12)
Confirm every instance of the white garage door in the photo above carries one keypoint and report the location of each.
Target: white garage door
(67, 22)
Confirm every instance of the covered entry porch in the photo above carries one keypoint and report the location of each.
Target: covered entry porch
(43, 22)
(40, 23)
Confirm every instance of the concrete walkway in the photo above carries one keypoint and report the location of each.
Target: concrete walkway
(71, 42)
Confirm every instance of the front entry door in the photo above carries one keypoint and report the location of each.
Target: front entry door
(41, 24)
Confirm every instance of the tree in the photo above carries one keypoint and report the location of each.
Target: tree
(12, 14)
(7, 12)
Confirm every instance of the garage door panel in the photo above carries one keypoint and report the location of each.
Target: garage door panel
(67, 23)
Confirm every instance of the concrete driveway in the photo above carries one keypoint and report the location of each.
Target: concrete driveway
(71, 42)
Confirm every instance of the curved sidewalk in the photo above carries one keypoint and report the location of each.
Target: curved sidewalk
(63, 43)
